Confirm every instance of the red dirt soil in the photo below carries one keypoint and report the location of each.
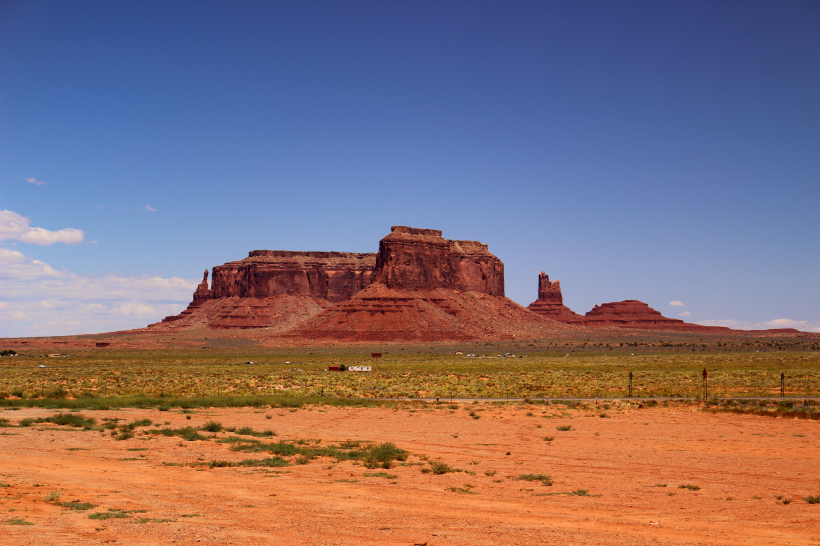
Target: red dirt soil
(742, 464)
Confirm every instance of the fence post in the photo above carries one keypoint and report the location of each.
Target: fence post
(705, 385)
(782, 383)
(630, 384)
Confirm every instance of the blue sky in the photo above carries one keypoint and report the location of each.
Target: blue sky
(633, 150)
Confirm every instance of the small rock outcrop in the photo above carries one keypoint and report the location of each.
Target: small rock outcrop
(550, 302)
(202, 292)
(201, 295)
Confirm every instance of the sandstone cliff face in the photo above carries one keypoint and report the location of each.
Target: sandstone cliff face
(420, 259)
(550, 302)
(333, 276)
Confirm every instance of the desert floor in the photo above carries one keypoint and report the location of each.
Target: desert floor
(745, 466)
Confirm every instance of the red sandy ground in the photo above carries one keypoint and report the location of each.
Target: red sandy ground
(742, 457)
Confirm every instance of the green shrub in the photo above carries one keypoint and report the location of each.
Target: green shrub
(77, 505)
(383, 455)
(138, 423)
(17, 521)
(212, 426)
(543, 478)
(186, 433)
(439, 467)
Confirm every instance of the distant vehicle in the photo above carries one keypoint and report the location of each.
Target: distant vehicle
(248, 363)
(42, 365)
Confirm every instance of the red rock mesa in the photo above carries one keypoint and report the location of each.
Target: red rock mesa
(419, 286)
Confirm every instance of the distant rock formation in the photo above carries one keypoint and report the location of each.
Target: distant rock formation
(201, 295)
(630, 314)
(419, 286)
(429, 288)
(550, 302)
(202, 292)
(619, 314)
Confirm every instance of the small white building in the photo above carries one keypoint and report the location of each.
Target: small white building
(360, 368)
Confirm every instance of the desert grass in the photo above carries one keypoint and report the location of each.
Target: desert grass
(170, 378)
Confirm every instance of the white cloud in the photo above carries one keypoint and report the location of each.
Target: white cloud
(803, 325)
(677, 304)
(150, 208)
(786, 323)
(684, 314)
(39, 300)
(35, 181)
(14, 226)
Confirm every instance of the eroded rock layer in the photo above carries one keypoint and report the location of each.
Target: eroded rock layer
(380, 313)
(277, 314)
(550, 302)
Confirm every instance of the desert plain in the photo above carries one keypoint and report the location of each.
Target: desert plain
(605, 472)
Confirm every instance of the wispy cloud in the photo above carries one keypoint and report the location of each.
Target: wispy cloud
(35, 181)
(39, 300)
(803, 325)
(677, 304)
(17, 227)
(684, 314)
(150, 208)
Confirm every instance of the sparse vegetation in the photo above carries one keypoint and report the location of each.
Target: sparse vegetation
(466, 490)
(113, 513)
(689, 487)
(120, 380)
(53, 496)
(380, 475)
(211, 426)
(77, 505)
(438, 467)
(543, 478)
(17, 521)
